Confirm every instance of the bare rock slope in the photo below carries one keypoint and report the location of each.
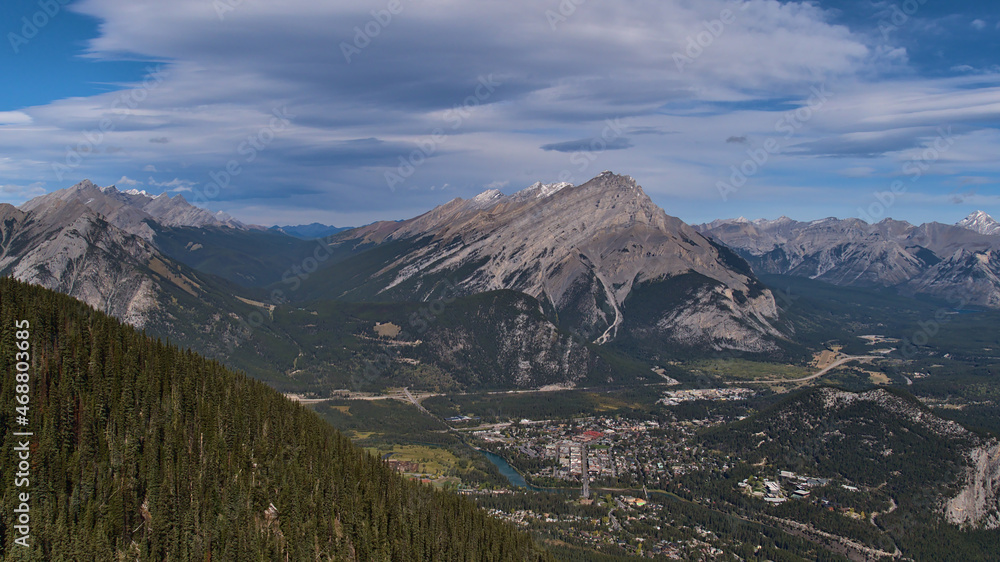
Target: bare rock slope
(131, 210)
(945, 261)
(582, 251)
(977, 505)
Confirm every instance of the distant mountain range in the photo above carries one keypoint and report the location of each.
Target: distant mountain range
(955, 262)
(309, 231)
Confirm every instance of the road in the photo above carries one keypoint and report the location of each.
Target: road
(817, 374)
(419, 406)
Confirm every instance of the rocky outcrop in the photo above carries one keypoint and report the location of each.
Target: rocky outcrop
(977, 505)
(504, 340)
(964, 279)
(68, 249)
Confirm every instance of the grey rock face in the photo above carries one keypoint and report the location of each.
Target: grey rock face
(964, 278)
(582, 250)
(933, 258)
(66, 246)
(980, 222)
(130, 210)
(977, 505)
(69, 249)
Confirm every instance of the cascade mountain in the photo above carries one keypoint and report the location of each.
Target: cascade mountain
(589, 253)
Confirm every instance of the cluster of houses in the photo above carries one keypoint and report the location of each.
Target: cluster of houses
(675, 397)
(570, 456)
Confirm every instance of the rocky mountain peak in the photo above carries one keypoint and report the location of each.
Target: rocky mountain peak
(130, 210)
(980, 222)
(582, 250)
(538, 190)
(611, 180)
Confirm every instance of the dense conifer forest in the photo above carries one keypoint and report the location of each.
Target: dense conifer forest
(142, 451)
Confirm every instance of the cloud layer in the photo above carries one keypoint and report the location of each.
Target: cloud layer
(351, 111)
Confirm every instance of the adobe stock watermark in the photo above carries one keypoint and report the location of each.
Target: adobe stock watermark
(120, 110)
(33, 24)
(757, 158)
(915, 168)
(429, 145)
(566, 9)
(899, 15)
(614, 130)
(248, 149)
(697, 43)
(364, 35)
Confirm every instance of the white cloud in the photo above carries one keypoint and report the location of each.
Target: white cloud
(17, 194)
(497, 184)
(354, 121)
(978, 24)
(14, 118)
(174, 185)
(125, 180)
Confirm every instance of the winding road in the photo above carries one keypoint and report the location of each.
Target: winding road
(817, 374)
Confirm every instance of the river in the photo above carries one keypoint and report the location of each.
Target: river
(515, 478)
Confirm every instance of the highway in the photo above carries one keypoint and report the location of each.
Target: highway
(817, 374)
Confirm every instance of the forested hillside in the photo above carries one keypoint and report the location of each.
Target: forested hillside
(142, 451)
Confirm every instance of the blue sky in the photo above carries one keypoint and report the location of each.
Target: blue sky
(352, 111)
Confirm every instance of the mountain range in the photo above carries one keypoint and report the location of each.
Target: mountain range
(598, 274)
(957, 263)
(309, 231)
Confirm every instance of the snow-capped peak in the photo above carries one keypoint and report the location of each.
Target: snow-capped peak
(538, 190)
(980, 222)
(137, 192)
(485, 199)
(488, 195)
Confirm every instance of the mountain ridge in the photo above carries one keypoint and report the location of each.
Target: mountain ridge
(131, 209)
(915, 259)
